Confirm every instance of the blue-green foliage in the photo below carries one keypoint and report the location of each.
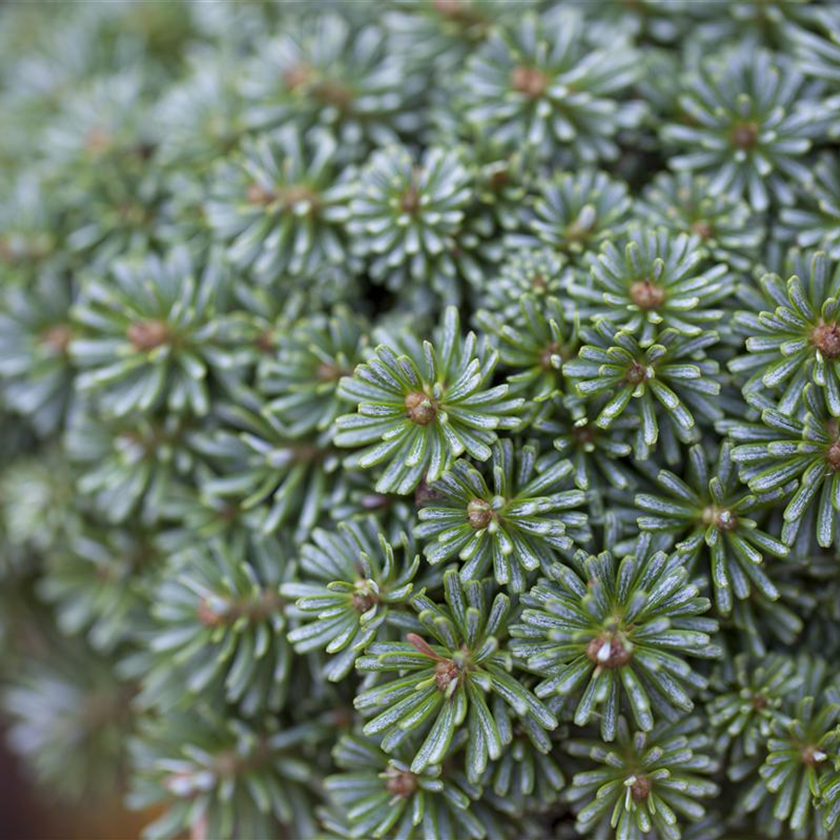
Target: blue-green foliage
(420, 419)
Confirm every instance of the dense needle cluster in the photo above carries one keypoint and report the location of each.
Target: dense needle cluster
(420, 419)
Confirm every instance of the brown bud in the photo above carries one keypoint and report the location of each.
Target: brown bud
(647, 295)
(636, 374)
(812, 756)
(744, 135)
(363, 600)
(832, 455)
(421, 408)
(705, 230)
(446, 672)
(826, 338)
(410, 201)
(479, 514)
(583, 435)
(98, 140)
(297, 76)
(538, 283)
(208, 616)
(400, 784)
(56, 338)
(448, 8)
(722, 518)
(529, 81)
(329, 372)
(545, 357)
(146, 335)
(265, 341)
(334, 93)
(641, 788)
(256, 194)
(608, 652)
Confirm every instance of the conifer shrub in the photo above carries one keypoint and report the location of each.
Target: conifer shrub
(420, 419)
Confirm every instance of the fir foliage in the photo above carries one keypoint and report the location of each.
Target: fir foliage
(420, 419)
